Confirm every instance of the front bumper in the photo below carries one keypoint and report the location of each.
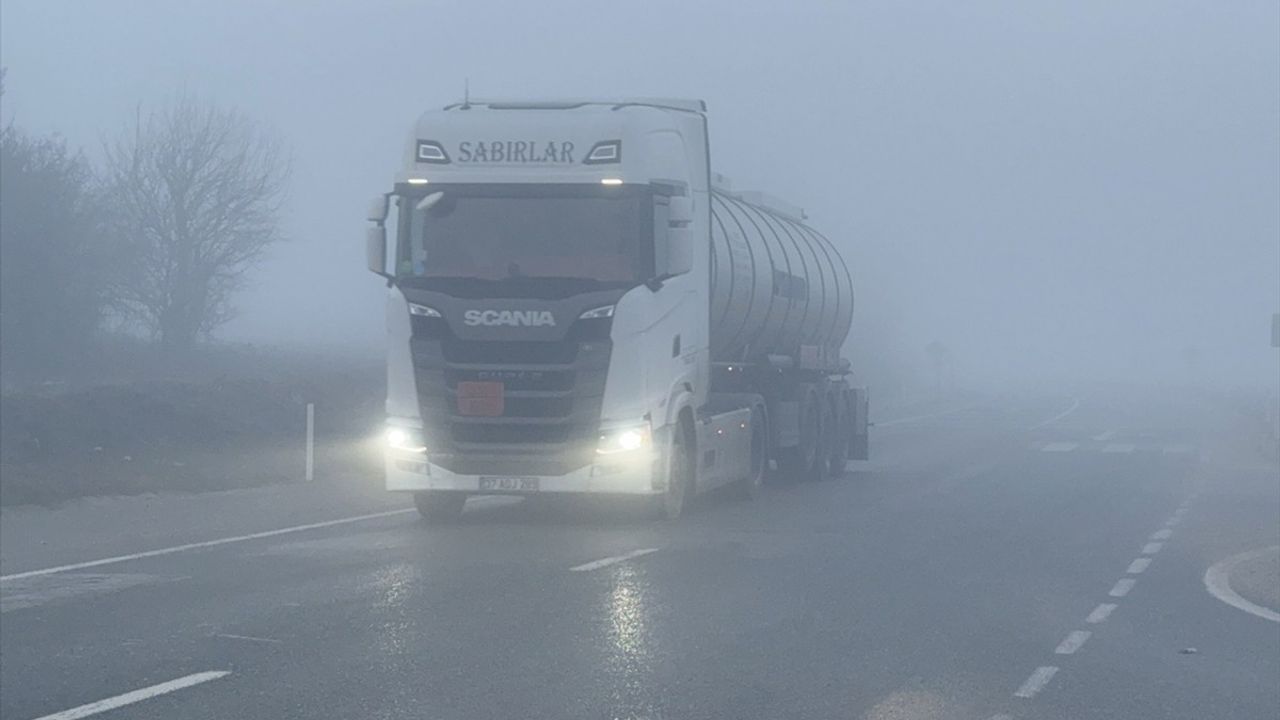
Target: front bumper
(632, 475)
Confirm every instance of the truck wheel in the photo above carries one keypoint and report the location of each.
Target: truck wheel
(680, 479)
(749, 487)
(797, 463)
(439, 507)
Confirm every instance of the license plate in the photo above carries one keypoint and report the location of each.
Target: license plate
(509, 484)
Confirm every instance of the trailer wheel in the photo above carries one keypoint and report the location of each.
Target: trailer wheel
(859, 442)
(749, 487)
(439, 507)
(840, 433)
(798, 462)
(826, 439)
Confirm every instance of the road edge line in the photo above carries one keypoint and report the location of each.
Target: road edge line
(1217, 581)
(136, 696)
(204, 544)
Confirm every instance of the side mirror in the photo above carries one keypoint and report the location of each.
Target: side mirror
(378, 209)
(679, 252)
(681, 211)
(375, 250)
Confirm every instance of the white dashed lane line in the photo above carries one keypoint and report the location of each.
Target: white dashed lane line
(1077, 638)
(1123, 448)
(1100, 613)
(1059, 447)
(1122, 587)
(1103, 437)
(1036, 682)
(1072, 642)
(1138, 566)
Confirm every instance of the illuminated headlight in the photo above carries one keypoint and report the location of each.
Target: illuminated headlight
(624, 439)
(406, 439)
(423, 310)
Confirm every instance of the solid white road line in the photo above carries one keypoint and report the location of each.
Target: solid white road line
(249, 638)
(1103, 437)
(1036, 682)
(1059, 447)
(205, 544)
(1074, 404)
(606, 562)
(1217, 579)
(1100, 613)
(1122, 587)
(1161, 534)
(1152, 548)
(1072, 642)
(1119, 448)
(1138, 566)
(130, 698)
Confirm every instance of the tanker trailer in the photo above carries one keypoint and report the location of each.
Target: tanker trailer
(577, 305)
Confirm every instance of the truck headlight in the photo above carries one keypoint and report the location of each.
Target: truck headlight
(406, 439)
(624, 439)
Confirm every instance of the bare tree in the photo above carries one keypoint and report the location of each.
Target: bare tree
(195, 193)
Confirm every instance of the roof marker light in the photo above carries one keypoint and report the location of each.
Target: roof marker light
(417, 181)
(606, 151)
(611, 181)
(429, 151)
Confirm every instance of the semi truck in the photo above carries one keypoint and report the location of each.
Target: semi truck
(577, 304)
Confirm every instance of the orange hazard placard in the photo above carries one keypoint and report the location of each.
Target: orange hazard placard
(480, 399)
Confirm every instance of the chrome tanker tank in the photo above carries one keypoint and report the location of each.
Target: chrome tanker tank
(778, 287)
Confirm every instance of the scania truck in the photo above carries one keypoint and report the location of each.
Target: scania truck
(577, 304)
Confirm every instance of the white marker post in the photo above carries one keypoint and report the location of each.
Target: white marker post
(311, 441)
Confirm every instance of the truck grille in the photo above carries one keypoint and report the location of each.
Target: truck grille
(551, 399)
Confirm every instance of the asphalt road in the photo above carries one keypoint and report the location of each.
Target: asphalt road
(1035, 556)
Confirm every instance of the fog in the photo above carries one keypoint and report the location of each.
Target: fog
(1054, 191)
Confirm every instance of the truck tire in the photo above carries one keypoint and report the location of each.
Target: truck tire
(799, 462)
(749, 487)
(680, 476)
(439, 507)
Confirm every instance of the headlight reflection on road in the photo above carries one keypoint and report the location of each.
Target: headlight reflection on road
(630, 654)
(395, 588)
(626, 613)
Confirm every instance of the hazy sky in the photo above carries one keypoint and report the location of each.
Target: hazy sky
(1048, 188)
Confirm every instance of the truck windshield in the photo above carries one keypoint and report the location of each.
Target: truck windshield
(597, 236)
